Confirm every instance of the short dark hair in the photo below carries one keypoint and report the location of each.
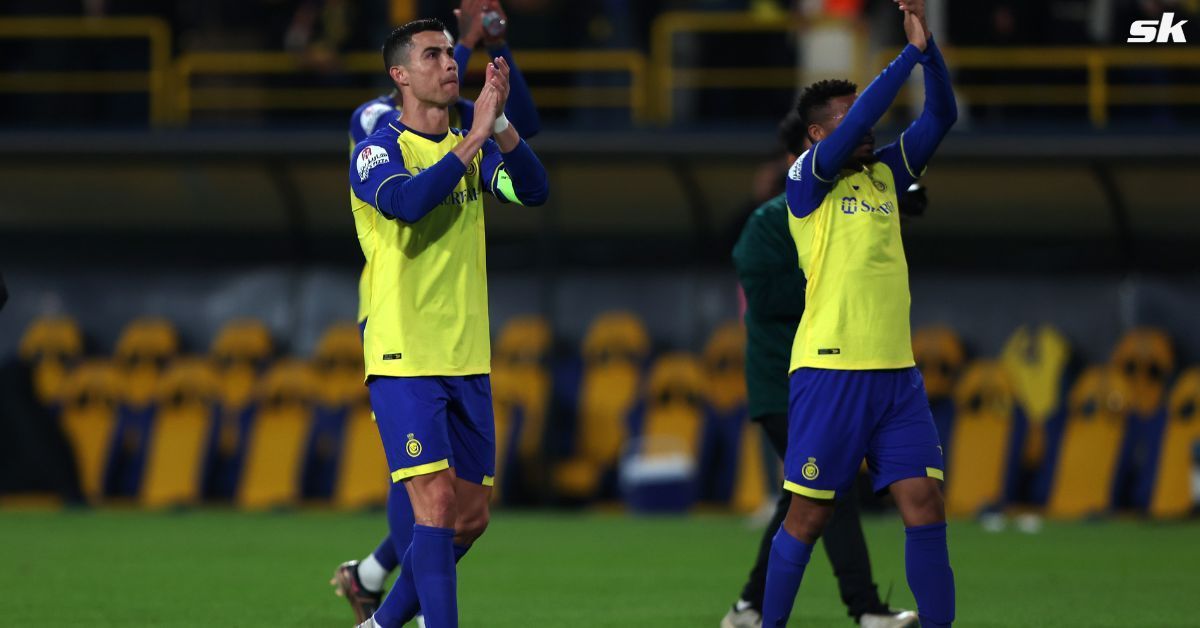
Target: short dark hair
(399, 41)
(815, 98)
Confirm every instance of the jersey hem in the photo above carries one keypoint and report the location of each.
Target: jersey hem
(852, 366)
(463, 372)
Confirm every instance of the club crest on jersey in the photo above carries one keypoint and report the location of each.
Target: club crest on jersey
(368, 158)
(880, 185)
(810, 470)
(413, 446)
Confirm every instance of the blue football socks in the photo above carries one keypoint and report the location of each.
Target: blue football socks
(434, 575)
(785, 570)
(927, 564)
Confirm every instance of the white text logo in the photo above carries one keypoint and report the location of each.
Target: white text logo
(1161, 31)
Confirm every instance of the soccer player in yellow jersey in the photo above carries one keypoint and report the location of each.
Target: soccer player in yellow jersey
(417, 197)
(854, 387)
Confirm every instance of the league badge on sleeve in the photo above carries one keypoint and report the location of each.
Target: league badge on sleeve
(368, 158)
(370, 116)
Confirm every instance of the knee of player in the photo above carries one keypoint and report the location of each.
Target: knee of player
(921, 503)
(806, 519)
(437, 505)
(471, 526)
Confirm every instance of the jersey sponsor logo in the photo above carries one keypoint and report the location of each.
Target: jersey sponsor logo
(796, 172)
(368, 158)
(810, 470)
(460, 198)
(1162, 31)
(851, 205)
(829, 351)
(412, 446)
(371, 115)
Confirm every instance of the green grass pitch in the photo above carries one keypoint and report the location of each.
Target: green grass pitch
(227, 569)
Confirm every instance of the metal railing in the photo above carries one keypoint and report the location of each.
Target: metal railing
(649, 94)
(153, 80)
(190, 98)
(672, 24)
(1097, 93)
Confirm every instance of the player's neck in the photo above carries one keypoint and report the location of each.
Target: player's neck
(427, 118)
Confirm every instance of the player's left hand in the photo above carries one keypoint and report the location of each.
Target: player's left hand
(470, 22)
(497, 77)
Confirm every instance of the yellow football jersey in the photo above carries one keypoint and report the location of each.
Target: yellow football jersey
(857, 300)
(425, 284)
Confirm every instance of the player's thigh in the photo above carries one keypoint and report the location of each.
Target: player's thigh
(472, 429)
(411, 414)
(905, 443)
(830, 414)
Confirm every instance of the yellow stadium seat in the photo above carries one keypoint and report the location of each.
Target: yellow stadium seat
(242, 340)
(363, 477)
(1098, 404)
(940, 356)
(52, 345)
(978, 454)
(338, 362)
(144, 349)
(1172, 495)
(1146, 358)
(614, 349)
(175, 455)
(521, 385)
(275, 448)
(89, 399)
(1036, 360)
(674, 421)
(725, 391)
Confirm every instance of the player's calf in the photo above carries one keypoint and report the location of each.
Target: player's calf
(926, 556)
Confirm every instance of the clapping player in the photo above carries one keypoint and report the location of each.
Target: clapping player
(416, 194)
(854, 387)
(361, 582)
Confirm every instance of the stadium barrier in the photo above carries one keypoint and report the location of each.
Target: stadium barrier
(652, 82)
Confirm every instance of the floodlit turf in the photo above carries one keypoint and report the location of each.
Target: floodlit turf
(228, 569)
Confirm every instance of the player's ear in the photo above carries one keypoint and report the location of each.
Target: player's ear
(816, 132)
(399, 74)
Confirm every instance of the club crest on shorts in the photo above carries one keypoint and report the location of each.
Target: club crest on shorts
(413, 446)
(810, 470)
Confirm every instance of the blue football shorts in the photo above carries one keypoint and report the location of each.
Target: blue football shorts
(433, 423)
(837, 418)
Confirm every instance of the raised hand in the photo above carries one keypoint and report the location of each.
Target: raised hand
(470, 22)
(914, 22)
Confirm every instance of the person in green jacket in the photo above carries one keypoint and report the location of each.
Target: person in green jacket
(769, 272)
